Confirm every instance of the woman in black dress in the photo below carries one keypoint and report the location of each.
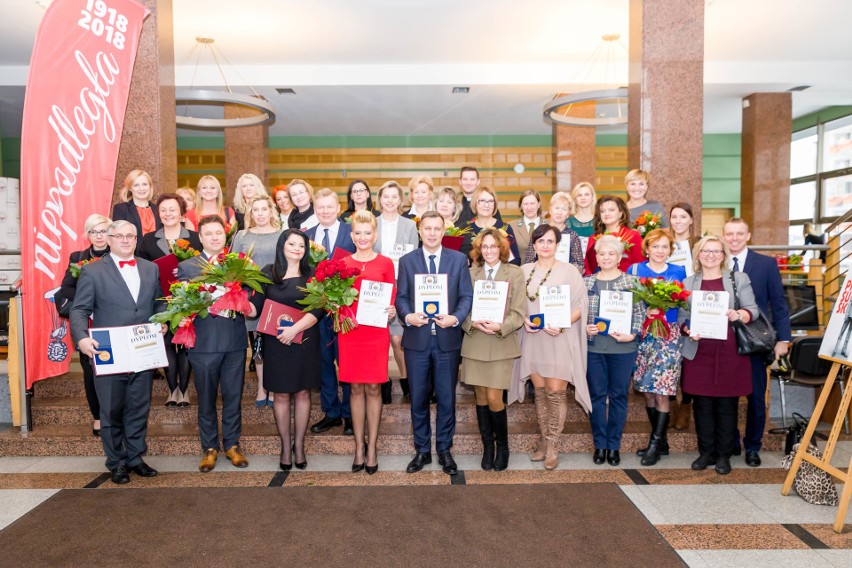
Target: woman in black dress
(291, 369)
(95, 229)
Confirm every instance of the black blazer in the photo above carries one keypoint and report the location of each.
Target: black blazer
(103, 295)
(127, 212)
(64, 297)
(154, 245)
(213, 334)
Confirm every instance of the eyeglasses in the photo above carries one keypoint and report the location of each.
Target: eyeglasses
(706, 252)
(123, 237)
(490, 247)
(485, 201)
(95, 233)
(359, 191)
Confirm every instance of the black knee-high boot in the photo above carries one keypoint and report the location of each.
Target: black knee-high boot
(486, 430)
(500, 421)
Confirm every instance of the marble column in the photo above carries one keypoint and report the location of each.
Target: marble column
(574, 150)
(149, 138)
(245, 149)
(765, 177)
(666, 98)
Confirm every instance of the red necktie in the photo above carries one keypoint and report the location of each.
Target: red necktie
(123, 263)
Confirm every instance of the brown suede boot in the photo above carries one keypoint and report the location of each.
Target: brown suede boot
(683, 416)
(541, 412)
(558, 403)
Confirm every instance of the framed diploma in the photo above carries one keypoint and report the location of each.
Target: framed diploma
(275, 315)
(373, 303)
(130, 349)
(563, 249)
(617, 307)
(430, 294)
(489, 300)
(707, 315)
(555, 303)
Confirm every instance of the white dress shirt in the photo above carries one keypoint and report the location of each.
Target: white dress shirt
(130, 274)
(332, 235)
(741, 259)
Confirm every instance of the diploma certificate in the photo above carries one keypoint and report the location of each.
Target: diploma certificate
(373, 303)
(130, 349)
(431, 289)
(489, 300)
(682, 256)
(617, 307)
(555, 303)
(707, 317)
(395, 252)
(563, 249)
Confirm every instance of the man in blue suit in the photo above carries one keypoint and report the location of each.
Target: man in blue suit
(769, 293)
(433, 345)
(332, 234)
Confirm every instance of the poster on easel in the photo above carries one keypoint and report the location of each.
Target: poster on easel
(836, 344)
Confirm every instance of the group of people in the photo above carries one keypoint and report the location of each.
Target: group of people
(584, 244)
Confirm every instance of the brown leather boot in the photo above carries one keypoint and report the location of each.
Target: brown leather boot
(558, 403)
(541, 412)
(683, 416)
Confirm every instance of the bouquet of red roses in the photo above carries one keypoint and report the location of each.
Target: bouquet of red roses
(230, 272)
(660, 295)
(332, 289)
(647, 222)
(187, 300)
(183, 251)
(76, 267)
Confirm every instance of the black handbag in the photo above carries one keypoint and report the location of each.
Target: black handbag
(793, 434)
(756, 338)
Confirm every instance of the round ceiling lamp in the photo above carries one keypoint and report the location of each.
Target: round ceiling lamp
(608, 106)
(205, 97)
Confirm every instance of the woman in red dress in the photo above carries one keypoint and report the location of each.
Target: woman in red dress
(363, 352)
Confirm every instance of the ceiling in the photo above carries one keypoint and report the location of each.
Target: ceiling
(387, 67)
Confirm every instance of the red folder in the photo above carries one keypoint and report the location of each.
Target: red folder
(452, 243)
(275, 314)
(340, 253)
(167, 266)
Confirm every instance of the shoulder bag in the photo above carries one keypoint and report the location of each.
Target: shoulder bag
(756, 338)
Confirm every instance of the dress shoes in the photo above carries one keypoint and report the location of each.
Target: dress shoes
(613, 457)
(752, 458)
(738, 451)
(599, 456)
(420, 460)
(285, 466)
(448, 464)
(356, 467)
(703, 461)
(326, 424)
(723, 465)
(347, 427)
(119, 475)
(142, 469)
(299, 465)
(371, 469)
(237, 458)
(208, 462)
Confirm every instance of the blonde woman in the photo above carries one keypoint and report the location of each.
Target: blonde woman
(570, 247)
(583, 220)
(137, 192)
(249, 187)
(447, 204)
(209, 200)
(282, 199)
(637, 182)
(420, 194)
(302, 197)
(188, 196)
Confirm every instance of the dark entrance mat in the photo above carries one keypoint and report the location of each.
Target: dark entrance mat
(495, 525)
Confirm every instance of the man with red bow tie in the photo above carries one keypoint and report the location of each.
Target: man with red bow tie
(118, 291)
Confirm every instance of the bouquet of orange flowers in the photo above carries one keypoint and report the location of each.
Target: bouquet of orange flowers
(332, 289)
(317, 253)
(647, 222)
(659, 295)
(76, 267)
(453, 231)
(183, 251)
(186, 301)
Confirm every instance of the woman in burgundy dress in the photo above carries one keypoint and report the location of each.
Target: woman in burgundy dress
(713, 372)
(363, 352)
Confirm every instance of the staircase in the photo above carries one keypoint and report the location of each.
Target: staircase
(62, 425)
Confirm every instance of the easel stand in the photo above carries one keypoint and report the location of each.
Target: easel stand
(825, 463)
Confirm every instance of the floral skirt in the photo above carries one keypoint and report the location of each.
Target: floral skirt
(657, 368)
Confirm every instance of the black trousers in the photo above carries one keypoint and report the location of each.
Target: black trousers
(125, 401)
(716, 424)
(89, 386)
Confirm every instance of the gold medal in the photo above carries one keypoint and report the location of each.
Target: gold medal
(601, 326)
(103, 356)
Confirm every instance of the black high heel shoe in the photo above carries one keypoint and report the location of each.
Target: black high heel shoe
(285, 466)
(370, 469)
(356, 467)
(300, 465)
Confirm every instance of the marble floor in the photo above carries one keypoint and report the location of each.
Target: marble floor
(710, 520)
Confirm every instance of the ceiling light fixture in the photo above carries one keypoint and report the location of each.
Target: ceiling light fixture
(186, 97)
(461, 90)
(610, 104)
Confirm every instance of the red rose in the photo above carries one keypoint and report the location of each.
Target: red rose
(643, 281)
(242, 255)
(320, 277)
(674, 296)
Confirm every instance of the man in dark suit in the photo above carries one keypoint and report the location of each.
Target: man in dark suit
(433, 345)
(769, 293)
(119, 290)
(332, 234)
(218, 359)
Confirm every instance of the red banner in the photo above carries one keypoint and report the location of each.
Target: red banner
(77, 89)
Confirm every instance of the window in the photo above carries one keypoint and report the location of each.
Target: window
(838, 145)
(802, 201)
(803, 153)
(837, 196)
